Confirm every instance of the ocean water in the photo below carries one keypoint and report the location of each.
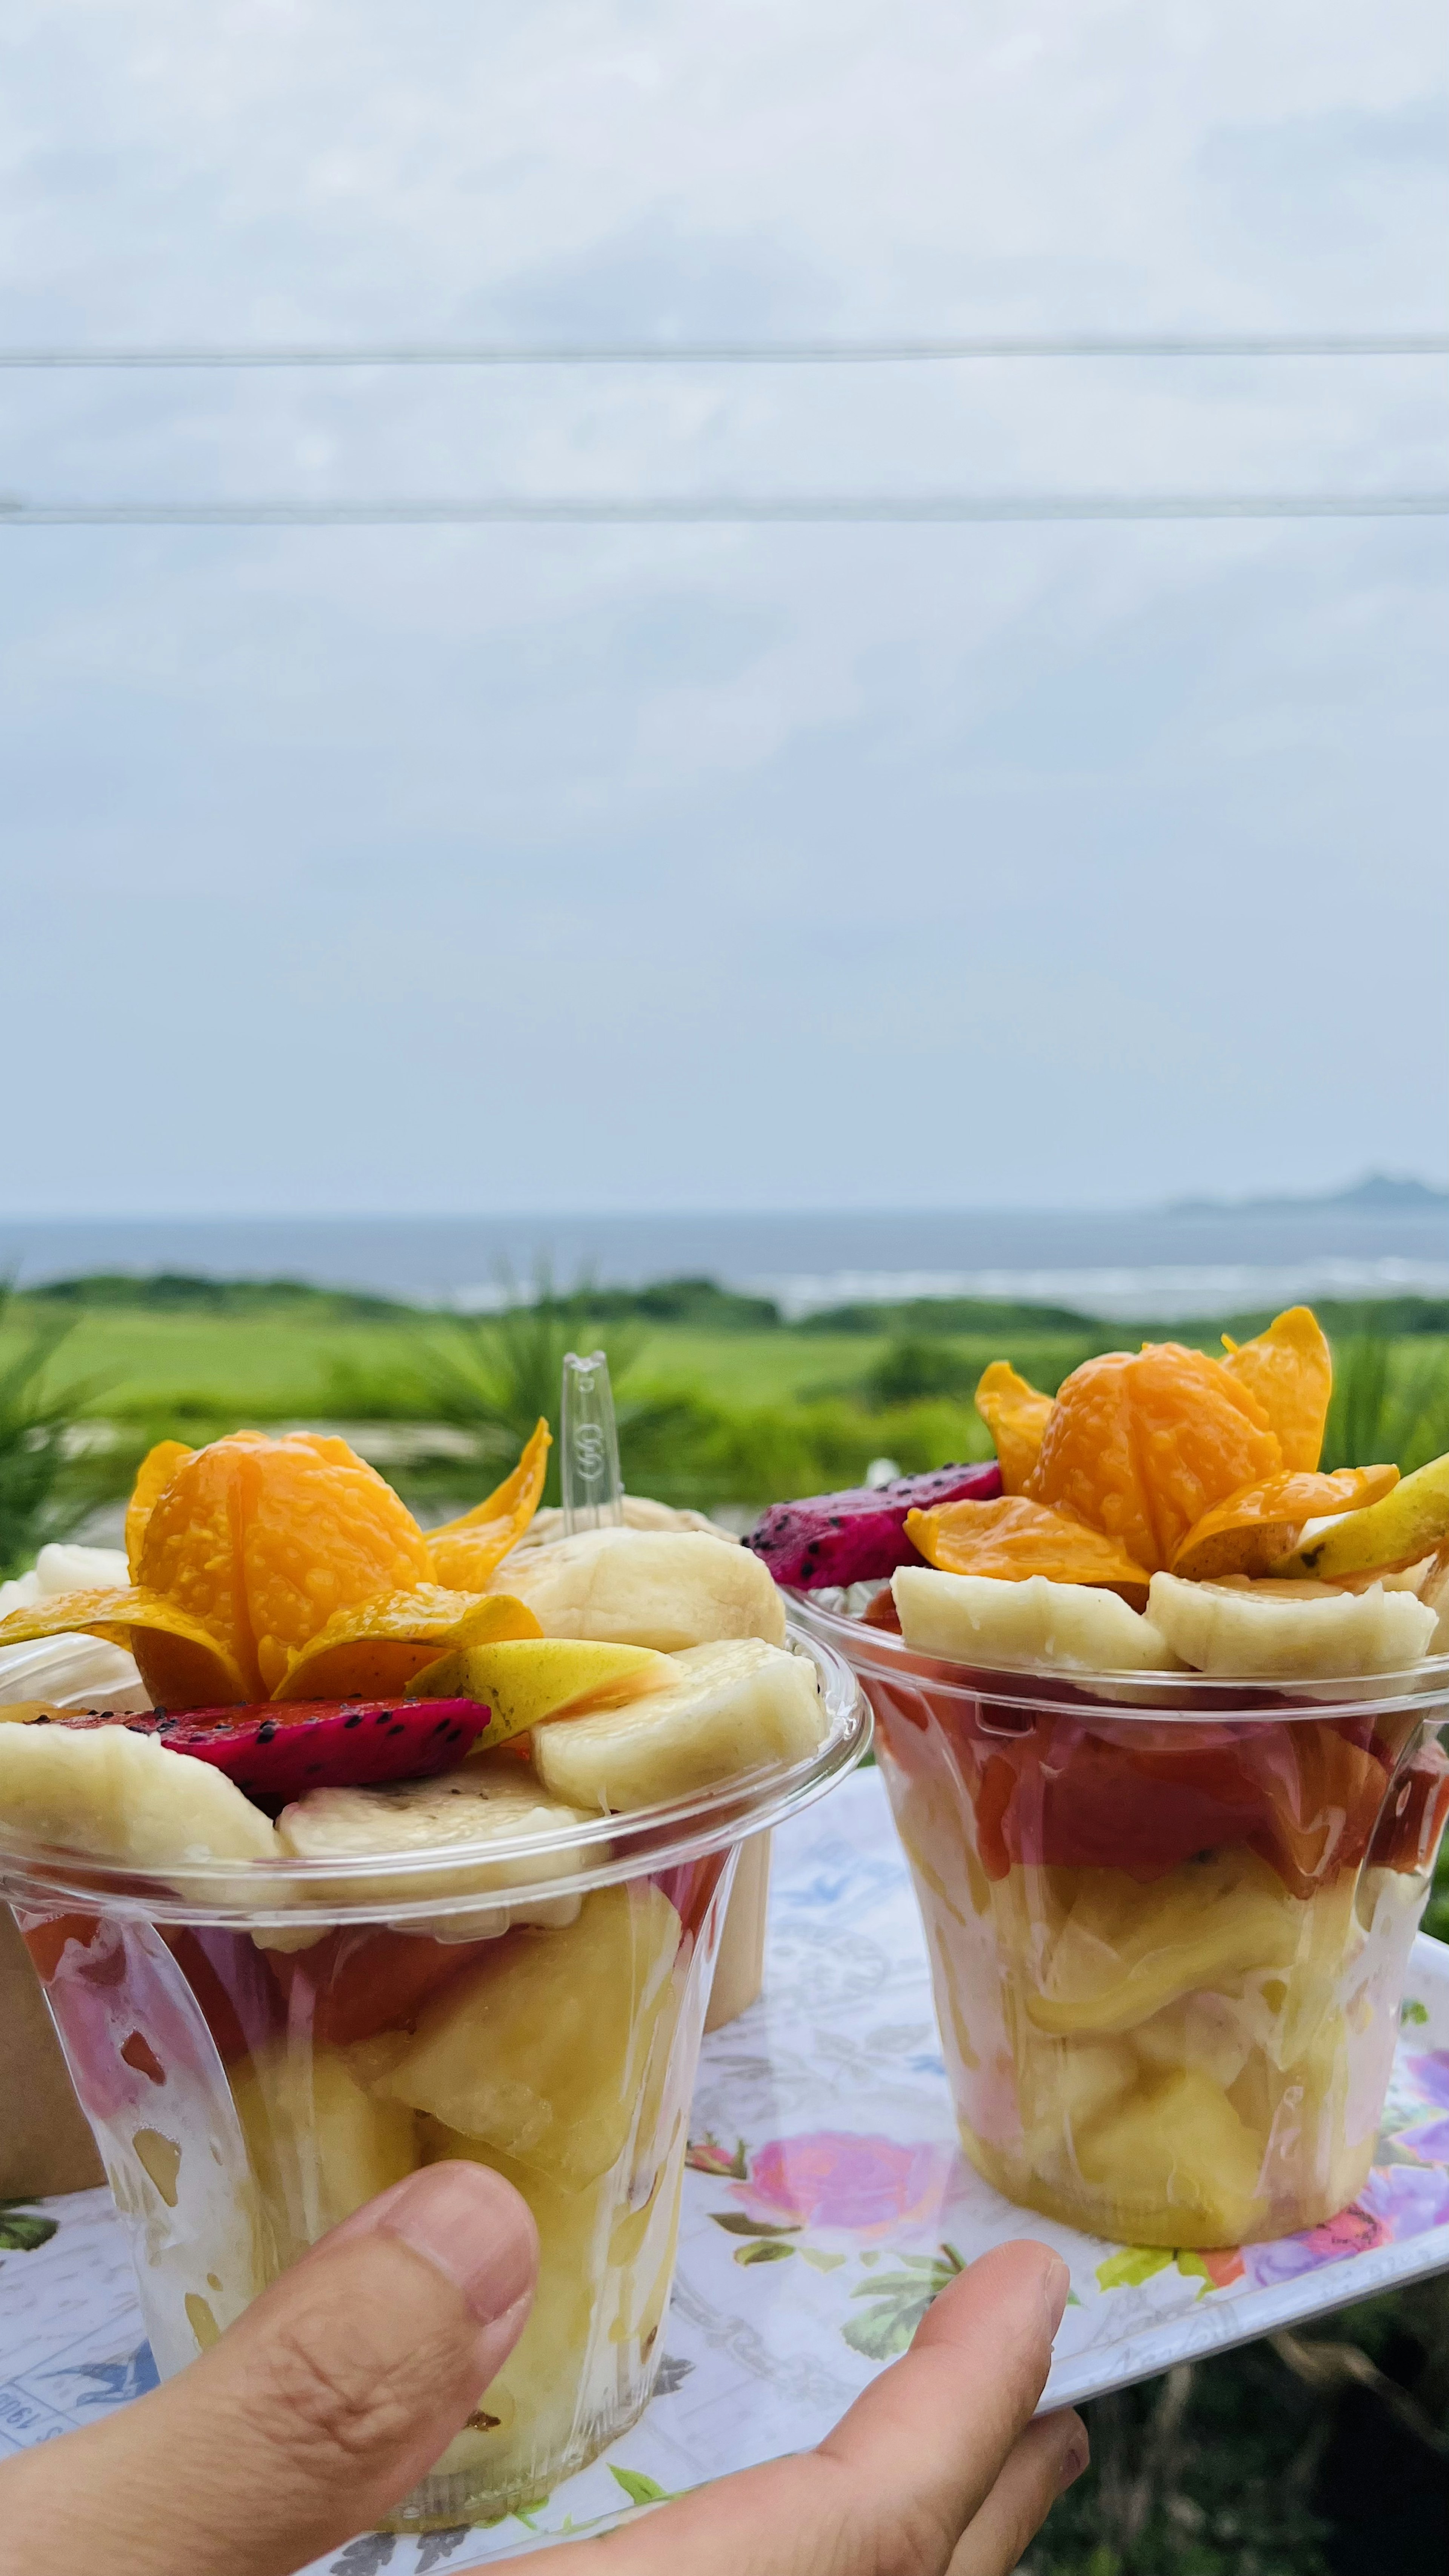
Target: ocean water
(1158, 1263)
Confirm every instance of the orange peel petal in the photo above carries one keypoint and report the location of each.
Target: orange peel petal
(1249, 1532)
(465, 1552)
(1289, 1368)
(181, 1663)
(152, 1478)
(376, 1647)
(1016, 1414)
(1013, 1539)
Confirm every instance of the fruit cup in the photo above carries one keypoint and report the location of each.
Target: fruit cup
(1169, 1919)
(261, 2047)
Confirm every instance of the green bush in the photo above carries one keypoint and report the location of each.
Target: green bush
(1388, 1402)
(42, 1491)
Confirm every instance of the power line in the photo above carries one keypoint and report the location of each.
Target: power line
(727, 510)
(753, 353)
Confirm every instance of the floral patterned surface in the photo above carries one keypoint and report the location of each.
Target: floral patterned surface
(826, 2205)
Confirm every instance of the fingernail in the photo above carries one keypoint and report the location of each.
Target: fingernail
(475, 2227)
(1056, 2282)
(1074, 2460)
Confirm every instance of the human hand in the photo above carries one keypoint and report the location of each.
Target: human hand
(343, 2383)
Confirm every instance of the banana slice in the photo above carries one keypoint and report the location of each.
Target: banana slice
(120, 1796)
(664, 1588)
(1262, 1629)
(982, 1619)
(735, 1706)
(483, 1806)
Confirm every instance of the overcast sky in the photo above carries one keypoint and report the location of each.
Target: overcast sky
(499, 869)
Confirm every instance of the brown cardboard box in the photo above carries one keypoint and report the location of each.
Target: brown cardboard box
(45, 2144)
(740, 1968)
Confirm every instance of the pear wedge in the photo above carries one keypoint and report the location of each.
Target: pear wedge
(525, 1680)
(1409, 1523)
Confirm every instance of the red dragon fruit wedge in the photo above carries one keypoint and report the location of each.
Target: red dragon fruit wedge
(859, 1535)
(285, 1747)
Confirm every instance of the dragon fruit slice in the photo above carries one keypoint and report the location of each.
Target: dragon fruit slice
(285, 1747)
(860, 1534)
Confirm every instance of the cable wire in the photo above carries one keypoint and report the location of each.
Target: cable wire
(753, 353)
(727, 510)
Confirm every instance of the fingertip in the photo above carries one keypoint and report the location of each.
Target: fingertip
(468, 2222)
(1026, 2278)
(1076, 2451)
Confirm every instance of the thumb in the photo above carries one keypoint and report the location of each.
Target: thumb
(321, 2406)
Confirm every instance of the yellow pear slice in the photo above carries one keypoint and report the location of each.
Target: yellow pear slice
(527, 1679)
(1409, 1523)
(375, 1648)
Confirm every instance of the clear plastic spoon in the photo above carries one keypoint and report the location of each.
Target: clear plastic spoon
(593, 1491)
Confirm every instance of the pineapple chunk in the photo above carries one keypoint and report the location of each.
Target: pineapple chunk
(319, 2145)
(1178, 2146)
(555, 2051)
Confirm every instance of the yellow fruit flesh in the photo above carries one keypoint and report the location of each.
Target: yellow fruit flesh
(1410, 1522)
(1185, 2063)
(318, 2144)
(525, 1680)
(548, 2054)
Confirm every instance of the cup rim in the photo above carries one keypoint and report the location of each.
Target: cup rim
(276, 1893)
(1047, 1690)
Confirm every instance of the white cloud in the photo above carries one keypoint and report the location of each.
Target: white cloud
(706, 866)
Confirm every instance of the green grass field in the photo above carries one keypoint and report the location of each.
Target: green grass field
(282, 1364)
(708, 1414)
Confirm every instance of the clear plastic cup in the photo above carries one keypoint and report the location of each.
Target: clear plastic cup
(261, 2047)
(1169, 1920)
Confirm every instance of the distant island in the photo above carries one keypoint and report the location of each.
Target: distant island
(1377, 1194)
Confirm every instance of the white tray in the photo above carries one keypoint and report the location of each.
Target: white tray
(822, 2113)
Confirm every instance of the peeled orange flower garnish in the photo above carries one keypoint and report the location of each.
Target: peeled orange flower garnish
(465, 1552)
(1289, 1369)
(247, 1551)
(1016, 1415)
(373, 1650)
(1141, 1444)
(1013, 1538)
(1255, 1527)
(152, 1478)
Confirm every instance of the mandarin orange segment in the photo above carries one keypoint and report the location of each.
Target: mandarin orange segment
(1289, 1369)
(1250, 1531)
(152, 1478)
(375, 1647)
(1013, 1538)
(1016, 1414)
(1141, 1444)
(322, 1534)
(465, 1551)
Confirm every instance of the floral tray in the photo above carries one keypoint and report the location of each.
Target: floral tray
(827, 2202)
